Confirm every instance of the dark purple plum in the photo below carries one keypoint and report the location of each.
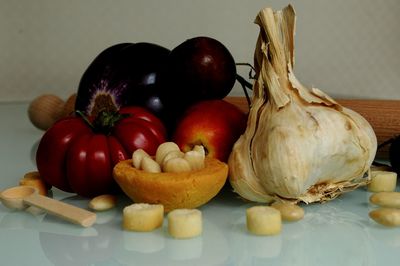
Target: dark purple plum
(200, 68)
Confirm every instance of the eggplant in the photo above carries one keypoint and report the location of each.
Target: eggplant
(123, 74)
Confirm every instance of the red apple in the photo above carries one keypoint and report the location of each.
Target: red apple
(215, 124)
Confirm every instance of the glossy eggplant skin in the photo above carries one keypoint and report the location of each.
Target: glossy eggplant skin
(123, 74)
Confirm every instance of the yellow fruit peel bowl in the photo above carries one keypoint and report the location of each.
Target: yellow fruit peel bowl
(173, 190)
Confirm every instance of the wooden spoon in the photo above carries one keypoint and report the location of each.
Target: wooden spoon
(21, 197)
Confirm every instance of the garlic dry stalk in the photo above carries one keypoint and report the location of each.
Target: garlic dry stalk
(299, 144)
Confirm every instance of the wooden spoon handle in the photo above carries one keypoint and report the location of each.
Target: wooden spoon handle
(63, 210)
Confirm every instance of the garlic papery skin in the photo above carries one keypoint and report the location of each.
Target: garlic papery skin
(299, 143)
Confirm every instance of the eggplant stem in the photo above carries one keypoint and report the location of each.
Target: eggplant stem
(104, 121)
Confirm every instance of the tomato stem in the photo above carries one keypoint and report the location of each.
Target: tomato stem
(85, 118)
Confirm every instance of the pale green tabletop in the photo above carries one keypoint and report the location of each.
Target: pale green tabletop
(336, 233)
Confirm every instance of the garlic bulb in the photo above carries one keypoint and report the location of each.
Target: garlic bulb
(299, 144)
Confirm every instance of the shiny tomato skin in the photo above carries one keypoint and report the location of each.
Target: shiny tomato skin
(75, 158)
(117, 152)
(52, 149)
(156, 126)
(89, 165)
(139, 137)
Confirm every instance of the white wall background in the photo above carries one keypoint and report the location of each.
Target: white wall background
(348, 48)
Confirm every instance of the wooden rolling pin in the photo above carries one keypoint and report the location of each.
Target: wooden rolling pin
(383, 115)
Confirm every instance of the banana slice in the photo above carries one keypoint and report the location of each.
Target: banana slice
(185, 223)
(176, 165)
(137, 157)
(149, 165)
(382, 181)
(143, 217)
(195, 159)
(164, 149)
(263, 220)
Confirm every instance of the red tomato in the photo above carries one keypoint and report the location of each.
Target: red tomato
(74, 157)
